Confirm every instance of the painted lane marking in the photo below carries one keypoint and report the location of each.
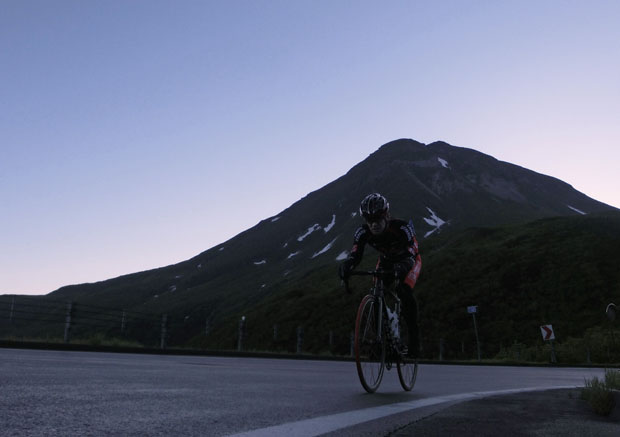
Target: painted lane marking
(324, 424)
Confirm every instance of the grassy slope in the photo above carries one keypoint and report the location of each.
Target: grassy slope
(561, 271)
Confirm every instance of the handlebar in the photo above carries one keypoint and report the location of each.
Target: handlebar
(379, 273)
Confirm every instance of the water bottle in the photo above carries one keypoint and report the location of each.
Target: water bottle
(392, 316)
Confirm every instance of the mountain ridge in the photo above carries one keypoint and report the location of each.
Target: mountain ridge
(393, 152)
(443, 188)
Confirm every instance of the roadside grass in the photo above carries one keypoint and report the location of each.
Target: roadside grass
(93, 340)
(96, 340)
(48, 339)
(102, 340)
(600, 393)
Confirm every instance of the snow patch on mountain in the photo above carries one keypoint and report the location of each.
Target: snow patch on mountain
(310, 230)
(258, 263)
(331, 224)
(577, 210)
(325, 249)
(221, 248)
(344, 255)
(275, 219)
(433, 221)
(293, 254)
(353, 214)
(443, 162)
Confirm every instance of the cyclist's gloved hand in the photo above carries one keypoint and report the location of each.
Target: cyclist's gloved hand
(345, 269)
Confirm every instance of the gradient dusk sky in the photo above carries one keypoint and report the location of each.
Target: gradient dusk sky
(137, 134)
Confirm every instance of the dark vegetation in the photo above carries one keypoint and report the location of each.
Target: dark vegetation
(559, 271)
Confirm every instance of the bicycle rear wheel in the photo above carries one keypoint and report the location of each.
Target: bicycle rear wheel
(369, 348)
(407, 368)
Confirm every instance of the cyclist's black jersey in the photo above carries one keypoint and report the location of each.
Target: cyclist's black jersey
(396, 243)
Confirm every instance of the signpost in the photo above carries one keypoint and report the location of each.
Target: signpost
(548, 335)
(473, 310)
(547, 332)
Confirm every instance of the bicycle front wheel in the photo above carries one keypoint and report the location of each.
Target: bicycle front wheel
(407, 368)
(369, 347)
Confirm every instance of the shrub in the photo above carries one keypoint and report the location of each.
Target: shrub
(612, 379)
(599, 394)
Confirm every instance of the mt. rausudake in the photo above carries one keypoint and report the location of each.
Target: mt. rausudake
(278, 272)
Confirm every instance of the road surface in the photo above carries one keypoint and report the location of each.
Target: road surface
(95, 393)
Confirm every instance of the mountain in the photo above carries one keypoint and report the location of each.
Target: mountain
(444, 189)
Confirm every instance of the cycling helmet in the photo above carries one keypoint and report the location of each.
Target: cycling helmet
(374, 206)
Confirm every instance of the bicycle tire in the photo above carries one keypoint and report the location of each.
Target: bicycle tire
(369, 354)
(407, 369)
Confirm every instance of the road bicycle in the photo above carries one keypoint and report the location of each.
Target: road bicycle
(381, 335)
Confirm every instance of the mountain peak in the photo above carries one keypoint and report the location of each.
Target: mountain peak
(401, 143)
(439, 143)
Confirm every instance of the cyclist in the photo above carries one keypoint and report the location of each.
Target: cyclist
(396, 242)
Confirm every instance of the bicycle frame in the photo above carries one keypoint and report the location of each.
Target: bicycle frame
(377, 344)
(378, 292)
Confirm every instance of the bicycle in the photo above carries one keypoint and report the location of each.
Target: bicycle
(381, 335)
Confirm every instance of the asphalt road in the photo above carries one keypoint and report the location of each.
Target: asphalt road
(90, 393)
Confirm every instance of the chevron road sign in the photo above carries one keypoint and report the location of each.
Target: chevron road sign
(547, 332)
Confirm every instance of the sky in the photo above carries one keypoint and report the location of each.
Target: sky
(137, 134)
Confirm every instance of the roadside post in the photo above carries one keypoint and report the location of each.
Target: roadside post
(611, 312)
(240, 336)
(352, 343)
(123, 322)
(300, 339)
(164, 323)
(441, 349)
(12, 307)
(473, 310)
(67, 336)
(548, 335)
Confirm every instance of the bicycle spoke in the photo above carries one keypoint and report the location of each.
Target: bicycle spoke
(369, 350)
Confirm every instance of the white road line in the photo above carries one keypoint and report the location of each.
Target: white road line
(324, 424)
